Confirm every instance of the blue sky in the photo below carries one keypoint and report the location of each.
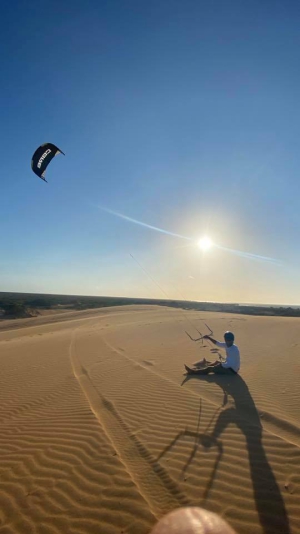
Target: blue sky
(182, 115)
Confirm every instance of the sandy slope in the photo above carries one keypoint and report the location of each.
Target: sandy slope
(101, 433)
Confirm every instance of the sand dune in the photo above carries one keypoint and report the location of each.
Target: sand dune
(101, 432)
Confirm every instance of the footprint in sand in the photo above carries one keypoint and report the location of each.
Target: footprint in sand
(289, 487)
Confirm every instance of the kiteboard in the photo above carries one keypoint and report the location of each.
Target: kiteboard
(203, 371)
(189, 370)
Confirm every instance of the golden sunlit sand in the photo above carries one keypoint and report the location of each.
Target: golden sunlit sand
(102, 433)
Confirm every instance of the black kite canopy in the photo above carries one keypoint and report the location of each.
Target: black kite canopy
(42, 157)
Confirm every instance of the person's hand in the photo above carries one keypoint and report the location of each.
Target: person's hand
(192, 521)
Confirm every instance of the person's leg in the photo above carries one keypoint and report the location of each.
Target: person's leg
(203, 364)
(216, 368)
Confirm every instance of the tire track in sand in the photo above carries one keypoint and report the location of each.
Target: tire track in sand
(155, 485)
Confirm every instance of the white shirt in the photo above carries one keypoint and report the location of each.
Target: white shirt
(232, 356)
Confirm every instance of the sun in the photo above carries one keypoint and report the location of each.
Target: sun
(205, 243)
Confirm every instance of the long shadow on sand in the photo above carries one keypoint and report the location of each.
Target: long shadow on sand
(269, 502)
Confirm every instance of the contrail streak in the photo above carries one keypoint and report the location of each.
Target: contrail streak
(140, 223)
(247, 255)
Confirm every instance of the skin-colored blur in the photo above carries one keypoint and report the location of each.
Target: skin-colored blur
(192, 521)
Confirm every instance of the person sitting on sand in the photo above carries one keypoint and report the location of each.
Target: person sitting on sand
(230, 366)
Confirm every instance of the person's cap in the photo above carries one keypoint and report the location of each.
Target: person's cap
(229, 336)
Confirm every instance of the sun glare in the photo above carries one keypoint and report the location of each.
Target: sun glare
(205, 243)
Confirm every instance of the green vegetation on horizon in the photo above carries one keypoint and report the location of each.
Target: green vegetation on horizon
(17, 305)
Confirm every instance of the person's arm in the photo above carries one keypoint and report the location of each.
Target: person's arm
(210, 339)
(218, 343)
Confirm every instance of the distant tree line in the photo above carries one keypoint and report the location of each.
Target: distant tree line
(15, 309)
(26, 305)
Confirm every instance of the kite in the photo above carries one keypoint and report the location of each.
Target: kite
(42, 157)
